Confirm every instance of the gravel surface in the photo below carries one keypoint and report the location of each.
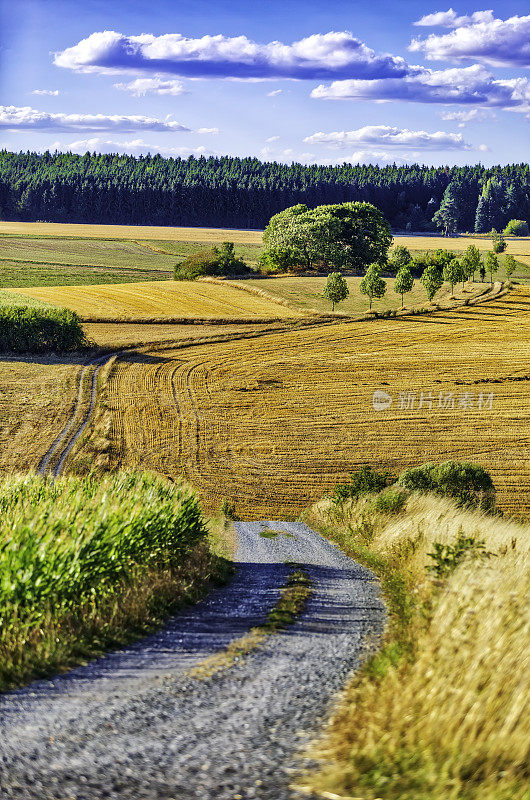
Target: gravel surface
(134, 725)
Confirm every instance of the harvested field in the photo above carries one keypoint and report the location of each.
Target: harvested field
(37, 396)
(272, 422)
(125, 334)
(77, 230)
(171, 299)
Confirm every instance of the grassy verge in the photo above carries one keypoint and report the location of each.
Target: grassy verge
(439, 712)
(293, 598)
(86, 565)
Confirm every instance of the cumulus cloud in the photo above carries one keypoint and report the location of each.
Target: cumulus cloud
(51, 92)
(29, 119)
(389, 136)
(133, 147)
(467, 86)
(481, 37)
(337, 54)
(142, 86)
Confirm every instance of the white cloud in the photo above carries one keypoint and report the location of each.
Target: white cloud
(471, 115)
(213, 131)
(375, 157)
(481, 37)
(336, 54)
(26, 118)
(450, 19)
(133, 147)
(472, 85)
(275, 93)
(272, 139)
(387, 136)
(51, 92)
(142, 86)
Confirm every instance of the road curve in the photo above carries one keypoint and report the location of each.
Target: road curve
(135, 726)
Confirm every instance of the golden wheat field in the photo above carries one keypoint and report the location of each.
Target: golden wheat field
(274, 421)
(37, 396)
(207, 235)
(159, 299)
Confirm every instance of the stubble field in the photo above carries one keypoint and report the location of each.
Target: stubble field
(271, 423)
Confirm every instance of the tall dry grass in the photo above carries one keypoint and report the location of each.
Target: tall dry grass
(447, 718)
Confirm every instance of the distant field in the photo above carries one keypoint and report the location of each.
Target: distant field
(131, 232)
(170, 299)
(84, 252)
(306, 294)
(36, 398)
(272, 423)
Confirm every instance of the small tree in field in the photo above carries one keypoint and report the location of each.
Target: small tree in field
(509, 265)
(482, 272)
(499, 243)
(471, 261)
(492, 265)
(432, 280)
(372, 285)
(403, 283)
(399, 257)
(336, 288)
(453, 273)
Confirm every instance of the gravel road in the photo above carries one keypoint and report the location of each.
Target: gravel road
(135, 726)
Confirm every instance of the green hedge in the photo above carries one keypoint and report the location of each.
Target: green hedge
(33, 330)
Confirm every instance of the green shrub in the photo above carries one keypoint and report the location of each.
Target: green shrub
(517, 227)
(466, 482)
(34, 330)
(363, 481)
(447, 557)
(391, 502)
(228, 510)
(212, 262)
(64, 542)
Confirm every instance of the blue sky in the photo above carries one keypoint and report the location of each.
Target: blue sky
(316, 82)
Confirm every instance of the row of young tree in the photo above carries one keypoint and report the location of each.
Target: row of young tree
(245, 192)
(433, 268)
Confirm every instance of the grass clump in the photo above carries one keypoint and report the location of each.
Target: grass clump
(439, 712)
(86, 563)
(39, 330)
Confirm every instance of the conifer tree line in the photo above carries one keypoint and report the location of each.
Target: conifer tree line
(245, 192)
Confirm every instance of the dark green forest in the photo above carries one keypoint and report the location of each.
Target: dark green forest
(244, 192)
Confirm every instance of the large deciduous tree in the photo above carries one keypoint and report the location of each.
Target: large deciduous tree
(432, 280)
(340, 236)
